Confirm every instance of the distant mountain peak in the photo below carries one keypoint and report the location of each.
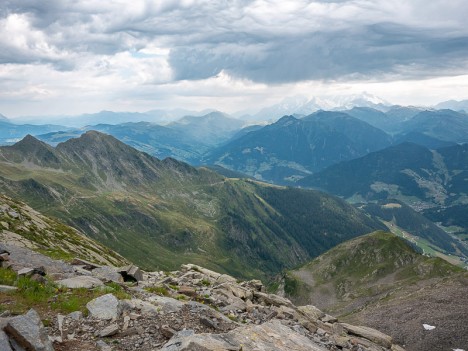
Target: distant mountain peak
(286, 120)
(29, 143)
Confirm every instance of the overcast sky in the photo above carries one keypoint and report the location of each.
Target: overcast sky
(75, 56)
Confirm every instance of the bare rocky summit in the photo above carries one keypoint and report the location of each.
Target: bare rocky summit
(190, 309)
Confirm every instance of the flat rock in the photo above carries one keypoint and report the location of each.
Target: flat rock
(7, 288)
(107, 274)
(370, 334)
(80, 282)
(187, 290)
(104, 307)
(167, 304)
(311, 312)
(22, 257)
(270, 336)
(85, 264)
(4, 342)
(29, 332)
(109, 330)
(275, 300)
(146, 308)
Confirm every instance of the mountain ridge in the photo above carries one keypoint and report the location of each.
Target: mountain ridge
(170, 207)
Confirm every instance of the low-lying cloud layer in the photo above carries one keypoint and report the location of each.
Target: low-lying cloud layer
(128, 52)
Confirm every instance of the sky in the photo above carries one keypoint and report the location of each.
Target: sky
(66, 57)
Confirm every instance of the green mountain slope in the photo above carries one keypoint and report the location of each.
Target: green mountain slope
(160, 214)
(292, 148)
(408, 172)
(444, 125)
(431, 239)
(378, 280)
(22, 226)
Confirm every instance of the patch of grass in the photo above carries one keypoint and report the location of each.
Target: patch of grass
(34, 292)
(7, 276)
(206, 282)
(174, 287)
(181, 297)
(159, 290)
(57, 254)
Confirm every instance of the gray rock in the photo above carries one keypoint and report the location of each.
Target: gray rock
(328, 319)
(370, 334)
(80, 282)
(146, 308)
(311, 312)
(167, 304)
(76, 316)
(85, 264)
(4, 342)
(104, 307)
(131, 273)
(22, 257)
(167, 331)
(7, 288)
(103, 346)
(110, 330)
(29, 272)
(275, 300)
(208, 322)
(5, 256)
(29, 332)
(270, 336)
(107, 274)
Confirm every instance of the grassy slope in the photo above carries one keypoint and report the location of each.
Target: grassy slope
(362, 271)
(21, 225)
(379, 281)
(189, 215)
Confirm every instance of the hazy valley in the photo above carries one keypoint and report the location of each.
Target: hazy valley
(238, 206)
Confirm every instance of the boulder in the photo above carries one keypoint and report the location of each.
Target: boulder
(187, 290)
(369, 333)
(224, 278)
(28, 332)
(108, 274)
(7, 288)
(110, 330)
(270, 336)
(146, 308)
(131, 273)
(5, 256)
(84, 264)
(80, 282)
(29, 272)
(166, 304)
(271, 299)
(311, 312)
(4, 342)
(104, 307)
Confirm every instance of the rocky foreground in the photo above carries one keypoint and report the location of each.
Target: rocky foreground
(190, 309)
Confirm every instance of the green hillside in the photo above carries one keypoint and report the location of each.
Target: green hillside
(378, 280)
(160, 214)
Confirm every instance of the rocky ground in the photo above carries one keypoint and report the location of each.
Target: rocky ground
(189, 309)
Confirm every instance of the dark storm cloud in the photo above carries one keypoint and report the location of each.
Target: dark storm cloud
(360, 52)
(264, 41)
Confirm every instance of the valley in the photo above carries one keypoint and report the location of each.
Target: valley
(242, 206)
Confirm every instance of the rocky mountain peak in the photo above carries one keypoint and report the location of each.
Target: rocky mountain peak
(193, 308)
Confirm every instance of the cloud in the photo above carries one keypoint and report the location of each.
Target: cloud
(146, 45)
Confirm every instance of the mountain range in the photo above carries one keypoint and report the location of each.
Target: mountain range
(292, 148)
(140, 205)
(405, 171)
